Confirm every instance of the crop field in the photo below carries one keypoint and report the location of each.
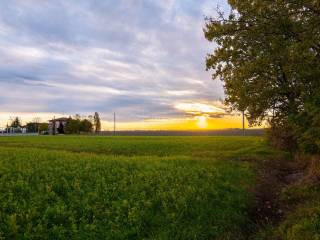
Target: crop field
(84, 187)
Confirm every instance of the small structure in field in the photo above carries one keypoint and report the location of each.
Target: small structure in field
(58, 125)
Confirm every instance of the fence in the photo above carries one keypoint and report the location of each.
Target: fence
(8, 131)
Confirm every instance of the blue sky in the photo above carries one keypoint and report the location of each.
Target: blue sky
(139, 58)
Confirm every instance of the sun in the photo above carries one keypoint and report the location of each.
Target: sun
(202, 122)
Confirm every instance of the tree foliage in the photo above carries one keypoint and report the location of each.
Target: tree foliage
(72, 126)
(43, 127)
(97, 122)
(268, 57)
(32, 127)
(86, 125)
(16, 122)
(77, 125)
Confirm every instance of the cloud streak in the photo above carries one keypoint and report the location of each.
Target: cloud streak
(139, 58)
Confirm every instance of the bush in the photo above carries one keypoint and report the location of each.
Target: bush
(282, 136)
(309, 130)
(297, 133)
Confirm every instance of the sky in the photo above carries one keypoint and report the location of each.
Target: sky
(142, 59)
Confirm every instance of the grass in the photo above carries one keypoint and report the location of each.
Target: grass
(145, 146)
(299, 199)
(70, 187)
(303, 221)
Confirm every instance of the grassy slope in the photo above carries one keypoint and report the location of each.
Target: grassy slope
(303, 221)
(302, 198)
(296, 184)
(126, 187)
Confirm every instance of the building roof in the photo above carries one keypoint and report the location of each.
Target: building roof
(62, 119)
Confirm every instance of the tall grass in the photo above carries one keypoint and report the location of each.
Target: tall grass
(125, 187)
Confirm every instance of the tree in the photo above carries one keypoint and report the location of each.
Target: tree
(76, 125)
(86, 126)
(97, 122)
(43, 127)
(36, 121)
(34, 126)
(15, 122)
(77, 117)
(90, 118)
(268, 57)
(31, 127)
(72, 126)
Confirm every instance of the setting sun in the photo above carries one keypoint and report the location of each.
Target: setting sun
(202, 122)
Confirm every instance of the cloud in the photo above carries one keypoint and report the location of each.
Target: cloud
(212, 110)
(138, 58)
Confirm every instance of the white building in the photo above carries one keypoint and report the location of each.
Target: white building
(58, 125)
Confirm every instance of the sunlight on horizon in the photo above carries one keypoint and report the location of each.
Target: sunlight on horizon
(193, 119)
(202, 122)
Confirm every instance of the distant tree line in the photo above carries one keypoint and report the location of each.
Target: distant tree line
(268, 56)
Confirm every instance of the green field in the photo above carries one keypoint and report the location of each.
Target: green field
(71, 187)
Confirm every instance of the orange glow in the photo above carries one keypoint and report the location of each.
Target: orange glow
(202, 122)
(196, 123)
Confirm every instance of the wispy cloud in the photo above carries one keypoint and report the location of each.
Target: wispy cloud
(138, 58)
(212, 110)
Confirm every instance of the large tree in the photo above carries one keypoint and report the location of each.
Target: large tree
(96, 122)
(73, 125)
(31, 127)
(43, 127)
(16, 122)
(86, 126)
(268, 56)
(77, 125)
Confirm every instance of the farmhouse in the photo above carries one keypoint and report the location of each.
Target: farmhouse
(58, 125)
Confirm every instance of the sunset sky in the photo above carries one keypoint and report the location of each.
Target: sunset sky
(143, 59)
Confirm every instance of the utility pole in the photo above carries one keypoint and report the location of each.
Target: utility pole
(114, 123)
(243, 128)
